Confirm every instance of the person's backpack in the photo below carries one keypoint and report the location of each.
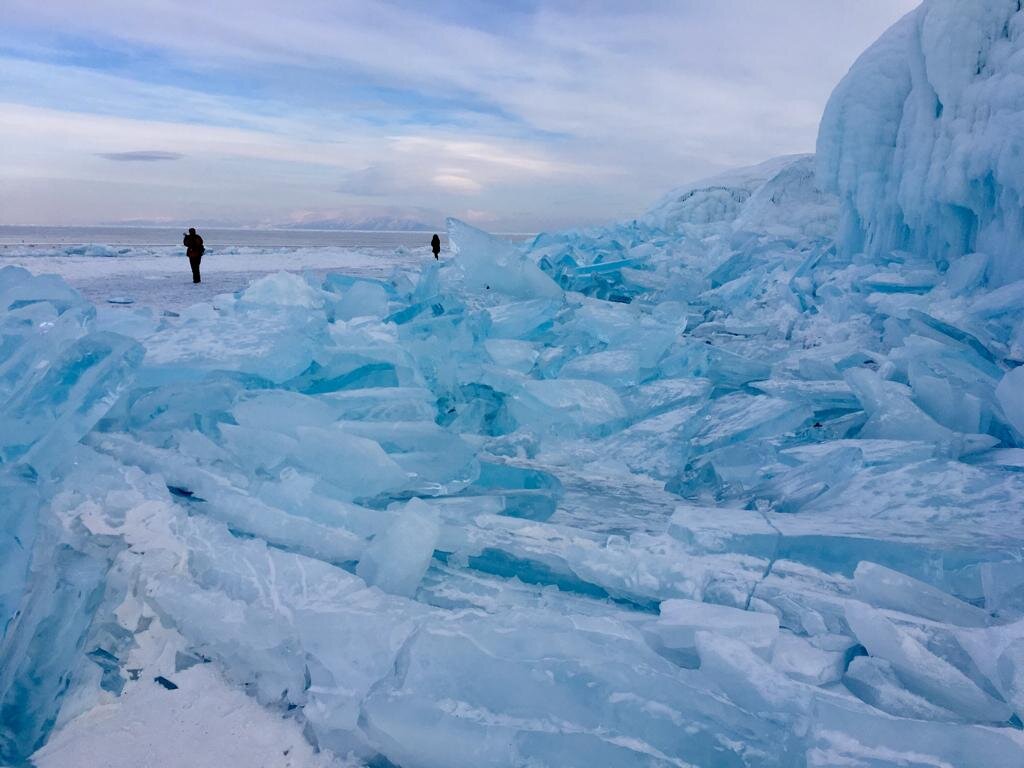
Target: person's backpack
(198, 243)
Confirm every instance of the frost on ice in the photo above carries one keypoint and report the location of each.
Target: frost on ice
(738, 483)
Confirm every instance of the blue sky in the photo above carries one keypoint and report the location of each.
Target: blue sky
(517, 115)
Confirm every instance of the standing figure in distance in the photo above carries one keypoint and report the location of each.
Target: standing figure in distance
(435, 245)
(195, 250)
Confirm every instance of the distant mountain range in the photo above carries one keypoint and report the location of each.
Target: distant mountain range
(372, 224)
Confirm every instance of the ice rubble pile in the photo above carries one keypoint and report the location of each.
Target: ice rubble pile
(709, 487)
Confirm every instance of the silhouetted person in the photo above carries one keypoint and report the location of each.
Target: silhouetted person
(195, 250)
(435, 245)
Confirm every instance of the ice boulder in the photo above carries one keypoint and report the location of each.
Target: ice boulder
(283, 289)
(921, 671)
(566, 406)
(680, 620)
(967, 273)
(20, 289)
(885, 588)
(892, 414)
(874, 682)
(998, 653)
(364, 298)
(749, 681)
(397, 558)
(799, 658)
(490, 264)
(512, 354)
(356, 464)
(521, 319)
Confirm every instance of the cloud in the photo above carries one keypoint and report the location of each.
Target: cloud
(457, 183)
(550, 111)
(372, 181)
(141, 156)
(479, 217)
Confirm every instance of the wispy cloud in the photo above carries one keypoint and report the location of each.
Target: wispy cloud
(141, 156)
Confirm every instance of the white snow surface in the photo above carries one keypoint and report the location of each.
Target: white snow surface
(204, 723)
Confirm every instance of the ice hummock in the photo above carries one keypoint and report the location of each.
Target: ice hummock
(721, 486)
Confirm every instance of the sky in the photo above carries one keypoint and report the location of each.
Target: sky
(517, 116)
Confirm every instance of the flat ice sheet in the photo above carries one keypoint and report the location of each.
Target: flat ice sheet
(159, 277)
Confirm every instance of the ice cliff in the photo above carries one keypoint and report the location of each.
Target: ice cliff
(738, 483)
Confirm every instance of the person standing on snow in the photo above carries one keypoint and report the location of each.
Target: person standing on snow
(435, 245)
(195, 250)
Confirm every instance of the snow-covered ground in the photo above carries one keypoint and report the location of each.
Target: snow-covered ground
(738, 483)
(201, 721)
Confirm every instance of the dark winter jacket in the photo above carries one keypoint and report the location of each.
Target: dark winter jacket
(194, 244)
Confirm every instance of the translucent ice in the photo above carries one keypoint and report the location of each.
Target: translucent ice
(892, 414)
(571, 405)
(1010, 668)
(363, 298)
(398, 557)
(921, 671)
(748, 680)
(885, 588)
(801, 660)
(1011, 398)
(874, 682)
(681, 620)
(996, 652)
(589, 675)
(283, 290)
(490, 264)
(846, 734)
(641, 494)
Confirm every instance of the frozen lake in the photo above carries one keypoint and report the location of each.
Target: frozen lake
(160, 277)
(148, 265)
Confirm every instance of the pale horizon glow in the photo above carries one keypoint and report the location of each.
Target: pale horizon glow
(530, 116)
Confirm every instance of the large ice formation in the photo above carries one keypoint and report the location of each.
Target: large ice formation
(924, 138)
(715, 487)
